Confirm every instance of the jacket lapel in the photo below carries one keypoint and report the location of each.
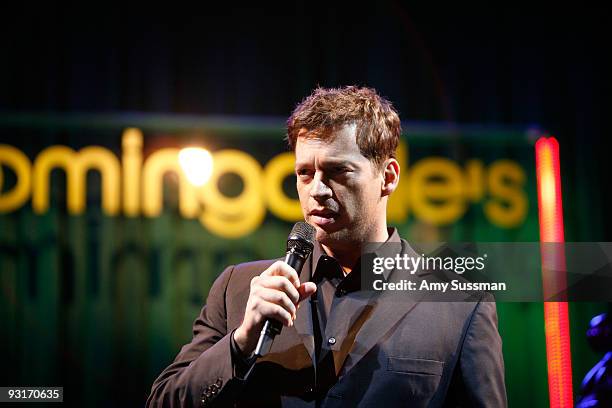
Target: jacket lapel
(386, 309)
(303, 322)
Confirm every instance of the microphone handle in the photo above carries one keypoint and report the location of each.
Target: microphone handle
(272, 327)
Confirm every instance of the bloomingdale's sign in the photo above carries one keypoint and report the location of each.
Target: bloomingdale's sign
(435, 190)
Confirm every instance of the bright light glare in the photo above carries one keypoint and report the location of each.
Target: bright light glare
(197, 163)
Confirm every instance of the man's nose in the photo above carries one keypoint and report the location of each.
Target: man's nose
(320, 191)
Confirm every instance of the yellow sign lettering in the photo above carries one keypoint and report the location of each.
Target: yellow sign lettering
(75, 166)
(508, 206)
(20, 164)
(436, 189)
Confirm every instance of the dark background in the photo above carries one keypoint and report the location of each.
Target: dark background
(546, 67)
(486, 65)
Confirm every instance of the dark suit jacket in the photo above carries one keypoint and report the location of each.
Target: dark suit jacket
(391, 350)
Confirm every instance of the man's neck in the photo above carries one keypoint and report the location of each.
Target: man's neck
(349, 255)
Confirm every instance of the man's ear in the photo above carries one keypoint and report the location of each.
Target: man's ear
(391, 175)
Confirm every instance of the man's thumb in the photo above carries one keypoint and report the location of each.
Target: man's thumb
(306, 289)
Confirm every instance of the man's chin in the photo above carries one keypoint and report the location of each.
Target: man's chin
(322, 235)
(333, 238)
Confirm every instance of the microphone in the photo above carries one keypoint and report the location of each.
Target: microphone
(299, 248)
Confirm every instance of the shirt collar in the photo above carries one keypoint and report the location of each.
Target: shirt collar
(319, 252)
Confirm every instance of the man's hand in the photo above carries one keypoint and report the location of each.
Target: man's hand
(275, 294)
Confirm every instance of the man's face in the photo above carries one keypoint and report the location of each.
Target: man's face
(339, 189)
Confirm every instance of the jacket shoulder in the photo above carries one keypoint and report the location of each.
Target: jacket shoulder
(253, 266)
(242, 273)
(257, 264)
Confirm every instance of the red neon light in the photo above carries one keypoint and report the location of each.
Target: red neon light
(556, 316)
(549, 190)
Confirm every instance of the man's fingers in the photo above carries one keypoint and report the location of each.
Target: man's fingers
(279, 291)
(279, 298)
(280, 283)
(306, 289)
(277, 312)
(280, 268)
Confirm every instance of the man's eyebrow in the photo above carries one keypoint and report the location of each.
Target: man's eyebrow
(336, 162)
(326, 163)
(302, 164)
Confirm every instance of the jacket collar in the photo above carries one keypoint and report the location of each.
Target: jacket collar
(319, 252)
(387, 309)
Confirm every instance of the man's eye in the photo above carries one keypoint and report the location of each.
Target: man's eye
(339, 170)
(303, 172)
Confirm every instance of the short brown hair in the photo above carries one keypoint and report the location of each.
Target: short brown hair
(378, 124)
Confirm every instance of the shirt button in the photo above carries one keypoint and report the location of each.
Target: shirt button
(331, 340)
(340, 292)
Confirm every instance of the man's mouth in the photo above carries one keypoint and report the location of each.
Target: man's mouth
(322, 218)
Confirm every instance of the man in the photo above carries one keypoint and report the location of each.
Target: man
(343, 346)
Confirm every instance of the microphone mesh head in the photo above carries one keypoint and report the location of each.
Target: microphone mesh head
(301, 238)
